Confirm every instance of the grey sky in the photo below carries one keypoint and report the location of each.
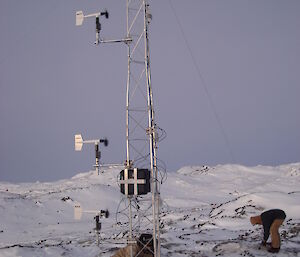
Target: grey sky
(54, 83)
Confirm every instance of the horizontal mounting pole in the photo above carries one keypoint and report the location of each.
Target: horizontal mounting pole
(92, 15)
(124, 40)
(97, 141)
(112, 165)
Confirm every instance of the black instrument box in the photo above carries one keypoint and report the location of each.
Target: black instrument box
(137, 181)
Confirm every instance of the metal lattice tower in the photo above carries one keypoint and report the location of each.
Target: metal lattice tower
(141, 130)
(140, 122)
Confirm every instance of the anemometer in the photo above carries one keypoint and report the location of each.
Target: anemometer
(80, 18)
(79, 143)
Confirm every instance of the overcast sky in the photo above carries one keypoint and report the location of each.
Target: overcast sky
(225, 77)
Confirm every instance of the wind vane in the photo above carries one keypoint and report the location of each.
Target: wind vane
(79, 143)
(79, 20)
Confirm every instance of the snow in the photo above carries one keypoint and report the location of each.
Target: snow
(205, 212)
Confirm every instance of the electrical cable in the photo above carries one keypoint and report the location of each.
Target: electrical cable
(217, 117)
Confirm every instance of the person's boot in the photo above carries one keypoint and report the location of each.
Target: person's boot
(273, 250)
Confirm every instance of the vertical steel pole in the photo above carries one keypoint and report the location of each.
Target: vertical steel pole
(152, 137)
(130, 226)
(127, 165)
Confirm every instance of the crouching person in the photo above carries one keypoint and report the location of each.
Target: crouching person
(143, 248)
(271, 221)
(125, 252)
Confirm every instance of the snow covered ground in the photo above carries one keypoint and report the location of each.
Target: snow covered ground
(205, 212)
